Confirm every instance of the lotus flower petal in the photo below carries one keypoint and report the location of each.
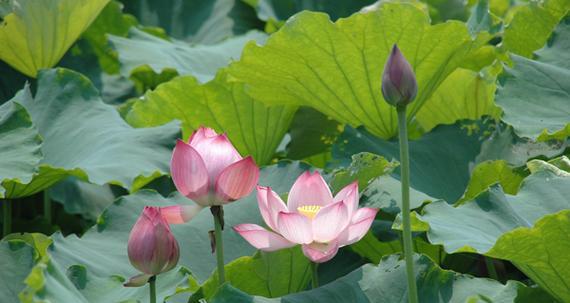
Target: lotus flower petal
(295, 227)
(320, 253)
(349, 194)
(360, 224)
(237, 180)
(189, 173)
(138, 280)
(309, 189)
(270, 204)
(216, 151)
(202, 133)
(262, 239)
(178, 214)
(329, 222)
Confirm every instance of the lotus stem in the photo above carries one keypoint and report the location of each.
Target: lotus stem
(152, 285)
(7, 212)
(405, 180)
(47, 207)
(218, 213)
(315, 275)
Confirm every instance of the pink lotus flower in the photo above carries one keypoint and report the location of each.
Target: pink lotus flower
(312, 217)
(210, 171)
(152, 247)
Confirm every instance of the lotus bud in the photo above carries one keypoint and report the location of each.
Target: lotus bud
(152, 247)
(399, 85)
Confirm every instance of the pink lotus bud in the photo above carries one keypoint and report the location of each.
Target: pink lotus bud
(312, 217)
(399, 85)
(209, 170)
(152, 247)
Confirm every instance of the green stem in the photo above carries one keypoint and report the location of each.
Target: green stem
(491, 270)
(7, 212)
(47, 207)
(405, 179)
(219, 244)
(315, 275)
(152, 284)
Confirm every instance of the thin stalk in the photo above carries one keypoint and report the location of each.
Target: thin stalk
(405, 179)
(315, 275)
(7, 212)
(219, 244)
(47, 207)
(491, 270)
(152, 284)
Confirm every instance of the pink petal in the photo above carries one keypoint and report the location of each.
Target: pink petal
(360, 224)
(179, 214)
(320, 253)
(270, 204)
(202, 133)
(295, 227)
(349, 194)
(262, 239)
(329, 222)
(152, 247)
(137, 281)
(309, 189)
(217, 153)
(237, 180)
(189, 173)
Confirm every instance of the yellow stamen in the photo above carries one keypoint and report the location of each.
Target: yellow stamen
(309, 211)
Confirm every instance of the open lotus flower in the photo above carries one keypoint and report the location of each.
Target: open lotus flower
(312, 217)
(152, 247)
(210, 171)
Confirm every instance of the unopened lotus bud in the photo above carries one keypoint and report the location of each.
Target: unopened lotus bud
(399, 85)
(152, 247)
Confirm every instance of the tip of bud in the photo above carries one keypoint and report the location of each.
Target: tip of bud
(399, 86)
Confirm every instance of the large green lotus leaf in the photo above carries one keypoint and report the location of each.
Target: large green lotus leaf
(111, 21)
(83, 198)
(465, 94)
(385, 193)
(336, 68)
(20, 146)
(16, 260)
(50, 282)
(273, 274)
(541, 252)
(534, 93)
(106, 243)
(488, 173)
(196, 21)
(283, 9)
(312, 133)
(201, 61)
(532, 24)
(364, 168)
(439, 160)
(504, 144)
(476, 225)
(387, 283)
(88, 139)
(494, 223)
(254, 128)
(37, 33)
